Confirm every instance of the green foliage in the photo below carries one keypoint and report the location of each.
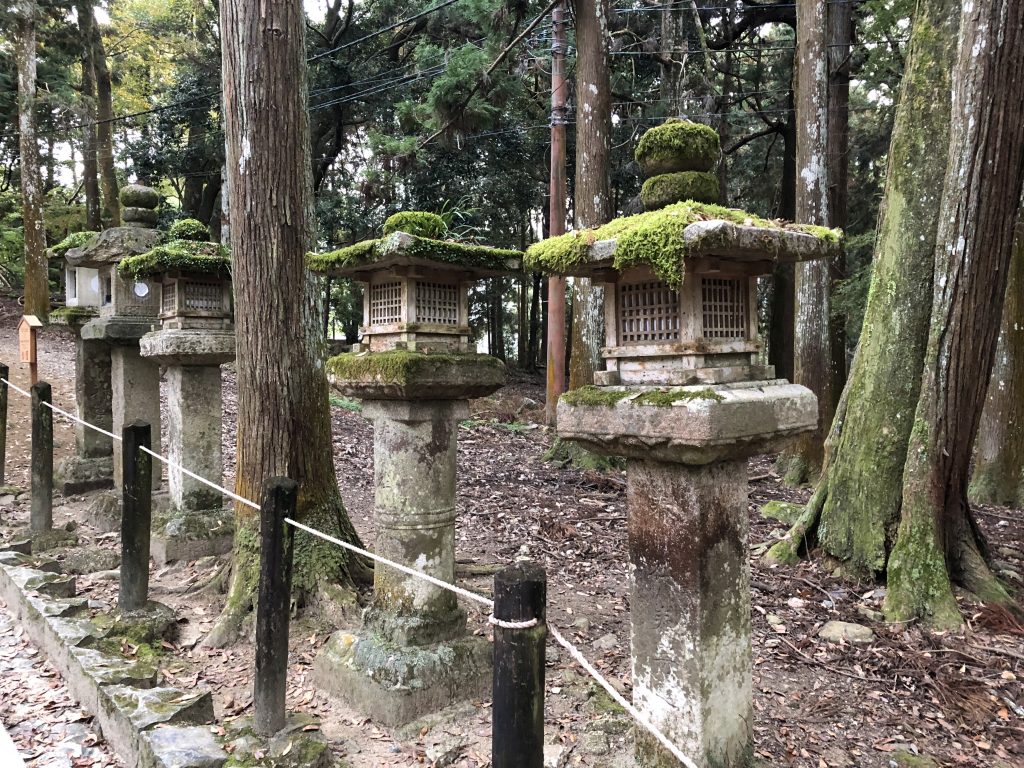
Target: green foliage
(73, 240)
(608, 397)
(667, 188)
(179, 256)
(417, 223)
(654, 238)
(678, 145)
(189, 229)
(347, 403)
(369, 251)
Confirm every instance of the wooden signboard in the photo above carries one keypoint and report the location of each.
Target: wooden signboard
(27, 330)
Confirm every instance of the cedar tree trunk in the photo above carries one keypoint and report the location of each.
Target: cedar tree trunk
(37, 281)
(284, 425)
(105, 130)
(90, 168)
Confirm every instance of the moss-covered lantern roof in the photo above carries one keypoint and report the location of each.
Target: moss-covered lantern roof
(74, 240)
(666, 238)
(177, 257)
(401, 249)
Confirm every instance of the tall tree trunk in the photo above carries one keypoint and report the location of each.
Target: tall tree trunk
(685, 62)
(532, 350)
(105, 130)
(812, 346)
(938, 540)
(37, 283)
(999, 449)
(857, 499)
(839, 20)
(90, 172)
(284, 426)
(592, 199)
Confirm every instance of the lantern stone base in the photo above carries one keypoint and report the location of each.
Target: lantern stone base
(183, 535)
(79, 474)
(104, 512)
(190, 347)
(118, 329)
(395, 684)
(93, 400)
(686, 493)
(415, 376)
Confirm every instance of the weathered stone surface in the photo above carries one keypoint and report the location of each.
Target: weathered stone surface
(77, 474)
(71, 607)
(93, 398)
(690, 608)
(44, 541)
(783, 511)
(90, 560)
(844, 631)
(117, 330)
(194, 412)
(73, 632)
(126, 712)
(139, 196)
(189, 347)
(182, 535)
(19, 544)
(52, 584)
(407, 376)
(135, 388)
(153, 623)
(104, 511)
(112, 245)
(180, 747)
(734, 421)
(133, 215)
(395, 685)
(107, 669)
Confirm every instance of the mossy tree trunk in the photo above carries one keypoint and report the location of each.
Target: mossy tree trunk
(592, 189)
(856, 504)
(892, 497)
(812, 358)
(999, 449)
(938, 540)
(37, 283)
(284, 423)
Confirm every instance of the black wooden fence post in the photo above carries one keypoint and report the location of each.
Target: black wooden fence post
(136, 516)
(520, 596)
(5, 374)
(41, 516)
(273, 602)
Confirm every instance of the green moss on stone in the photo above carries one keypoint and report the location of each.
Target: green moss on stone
(783, 511)
(447, 251)
(678, 145)
(606, 397)
(139, 196)
(189, 229)
(179, 255)
(418, 223)
(73, 240)
(398, 366)
(70, 315)
(668, 188)
(654, 238)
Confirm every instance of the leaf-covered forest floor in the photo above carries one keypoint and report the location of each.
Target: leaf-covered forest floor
(958, 698)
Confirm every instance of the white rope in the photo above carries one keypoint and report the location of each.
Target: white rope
(619, 699)
(574, 652)
(203, 480)
(392, 564)
(495, 621)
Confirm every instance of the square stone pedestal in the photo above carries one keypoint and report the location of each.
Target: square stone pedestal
(92, 466)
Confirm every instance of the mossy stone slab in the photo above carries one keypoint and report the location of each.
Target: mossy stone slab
(149, 707)
(668, 188)
(107, 669)
(180, 747)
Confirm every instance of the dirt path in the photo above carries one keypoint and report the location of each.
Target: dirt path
(957, 698)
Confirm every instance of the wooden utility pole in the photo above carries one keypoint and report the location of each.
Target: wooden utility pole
(556, 285)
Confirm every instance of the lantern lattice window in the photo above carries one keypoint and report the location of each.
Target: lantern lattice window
(386, 303)
(437, 303)
(648, 312)
(724, 308)
(203, 297)
(169, 298)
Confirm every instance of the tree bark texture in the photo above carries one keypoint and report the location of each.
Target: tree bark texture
(284, 427)
(938, 540)
(105, 130)
(856, 505)
(812, 351)
(37, 284)
(685, 62)
(999, 448)
(90, 168)
(593, 198)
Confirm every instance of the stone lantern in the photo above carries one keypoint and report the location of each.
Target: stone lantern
(415, 372)
(195, 337)
(128, 310)
(92, 465)
(685, 400)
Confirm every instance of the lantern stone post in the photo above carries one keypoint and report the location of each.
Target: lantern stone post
(685, 398)
(128, 310)
(415, 371)
(195, 337)
(92, 465)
